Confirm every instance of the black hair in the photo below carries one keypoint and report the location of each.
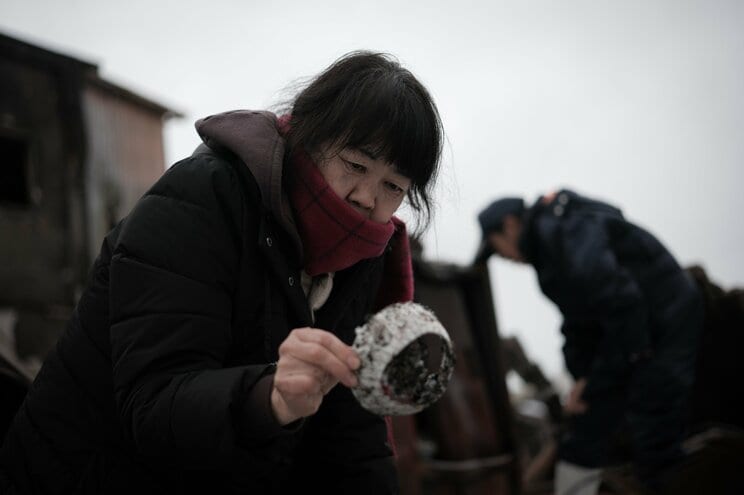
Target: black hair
(368, 101)
(491, 218)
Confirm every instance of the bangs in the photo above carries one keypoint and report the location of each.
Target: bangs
(387, 121)
(368, 102)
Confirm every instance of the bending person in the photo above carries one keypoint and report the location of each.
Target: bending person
(631, 320)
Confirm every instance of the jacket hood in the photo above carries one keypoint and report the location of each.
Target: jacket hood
(253, 137)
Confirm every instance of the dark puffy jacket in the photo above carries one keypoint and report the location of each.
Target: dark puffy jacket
(161, 381)
(619, 290)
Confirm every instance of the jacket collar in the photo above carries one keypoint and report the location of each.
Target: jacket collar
(252, 136)
(557, 204)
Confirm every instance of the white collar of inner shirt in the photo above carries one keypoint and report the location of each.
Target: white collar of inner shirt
(317, 289)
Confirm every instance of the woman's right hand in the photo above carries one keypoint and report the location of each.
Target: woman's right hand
(311, 362)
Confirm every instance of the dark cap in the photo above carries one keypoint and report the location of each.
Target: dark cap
(491, 219)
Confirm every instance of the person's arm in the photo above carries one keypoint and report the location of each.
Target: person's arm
(607, 292)
(172, 276)
(579, 346)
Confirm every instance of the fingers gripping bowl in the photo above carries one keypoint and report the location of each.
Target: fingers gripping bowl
(406, 360)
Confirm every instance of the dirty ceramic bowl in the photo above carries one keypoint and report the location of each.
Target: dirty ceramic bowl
(406, 360)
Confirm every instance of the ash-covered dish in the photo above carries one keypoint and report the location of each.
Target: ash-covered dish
(406, 360)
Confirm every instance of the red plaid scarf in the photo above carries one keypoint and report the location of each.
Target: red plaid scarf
(329, 228)
(334, 235)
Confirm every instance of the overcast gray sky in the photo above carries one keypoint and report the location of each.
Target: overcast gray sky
(637, 102)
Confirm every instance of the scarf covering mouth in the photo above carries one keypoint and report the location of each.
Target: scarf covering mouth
(339, 227)
(334, 235)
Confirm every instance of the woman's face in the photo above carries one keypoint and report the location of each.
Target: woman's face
(371, 186)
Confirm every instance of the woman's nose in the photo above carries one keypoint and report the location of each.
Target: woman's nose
(363, 196)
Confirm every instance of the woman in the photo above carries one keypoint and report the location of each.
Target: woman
(210, 352)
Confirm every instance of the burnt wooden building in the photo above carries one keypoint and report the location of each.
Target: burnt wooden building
(76, 152)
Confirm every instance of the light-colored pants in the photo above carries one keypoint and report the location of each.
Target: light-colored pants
(572, 479)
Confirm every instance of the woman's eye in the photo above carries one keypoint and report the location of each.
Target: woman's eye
(355, 167)
(394, 188)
